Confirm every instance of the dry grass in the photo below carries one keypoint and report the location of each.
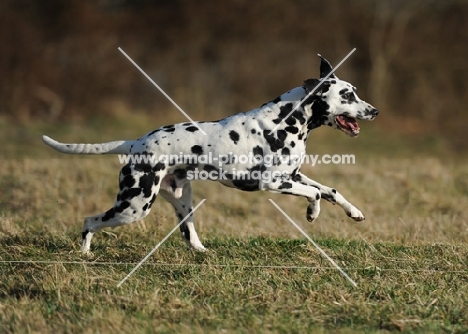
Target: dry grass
(409, 257)
(404, 200)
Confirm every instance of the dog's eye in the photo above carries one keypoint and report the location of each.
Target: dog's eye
(348, 96)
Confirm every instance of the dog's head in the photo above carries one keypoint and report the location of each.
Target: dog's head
(336, 103)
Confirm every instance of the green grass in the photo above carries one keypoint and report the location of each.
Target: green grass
(246, 285)
(409, 257)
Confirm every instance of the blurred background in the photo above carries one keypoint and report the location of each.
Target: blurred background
(60, 64)
(61, 74)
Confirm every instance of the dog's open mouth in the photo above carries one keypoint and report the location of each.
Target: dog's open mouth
(348, 125)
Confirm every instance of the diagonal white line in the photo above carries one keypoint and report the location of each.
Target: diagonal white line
(313, 90)
(160, 243)
(161, 90)
(313, 243)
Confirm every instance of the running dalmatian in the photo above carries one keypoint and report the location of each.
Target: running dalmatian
(333, 103)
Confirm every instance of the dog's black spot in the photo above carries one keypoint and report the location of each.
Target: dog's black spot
(275, 143)
(159, 166)
(301, 135)
(185, 231)
(127, 182)
(325, 87)
(108, 215)
(156, 180)
(290, 120)
(152, 133)
(126, 170)
(197, 149)
(284, 112)
(145, 168)
(192, 129)
(281, 135)
(257, 150)
(244, 182)
(295, 176)
(310, 84)
(333, 81)
(297, 114)
(309, 211)
(187, 124)
(253, 131)
(145, 207)
(285, 185)
(122, 206)
(234, 136)
(344, 90)
(292, 129)
(246, 185)
(180, 216)
(146, 184)
(210, 168)
(130, 193)
(152, 200)
(83, 234)
(317, 197)
(319, 115)
(285, 151)
(292, 144)
(328, 197)
(333, 191)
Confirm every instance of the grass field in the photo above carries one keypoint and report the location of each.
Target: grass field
(408, 257)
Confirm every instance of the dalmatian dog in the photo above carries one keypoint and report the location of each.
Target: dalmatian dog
(333, 103)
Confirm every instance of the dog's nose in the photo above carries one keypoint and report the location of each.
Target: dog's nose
(374, 112)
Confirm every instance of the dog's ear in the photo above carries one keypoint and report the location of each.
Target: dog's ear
(310, 84)
(325, 68)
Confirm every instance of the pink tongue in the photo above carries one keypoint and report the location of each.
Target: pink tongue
(353, 125)
(348, 122)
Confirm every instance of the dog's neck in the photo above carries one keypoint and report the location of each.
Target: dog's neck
(310, 115)
(319, 113)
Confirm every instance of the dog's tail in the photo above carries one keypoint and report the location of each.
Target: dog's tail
(114, 147)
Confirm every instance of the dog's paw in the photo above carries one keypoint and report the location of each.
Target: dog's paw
(355, 214)
(87, 254)
(313, 211)
(197, 246)
(201, 249)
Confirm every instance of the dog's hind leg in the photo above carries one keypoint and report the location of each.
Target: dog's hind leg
(139, 185)
(183, 208)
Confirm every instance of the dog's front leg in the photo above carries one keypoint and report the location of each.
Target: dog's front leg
(292, 187)
(332, 196)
